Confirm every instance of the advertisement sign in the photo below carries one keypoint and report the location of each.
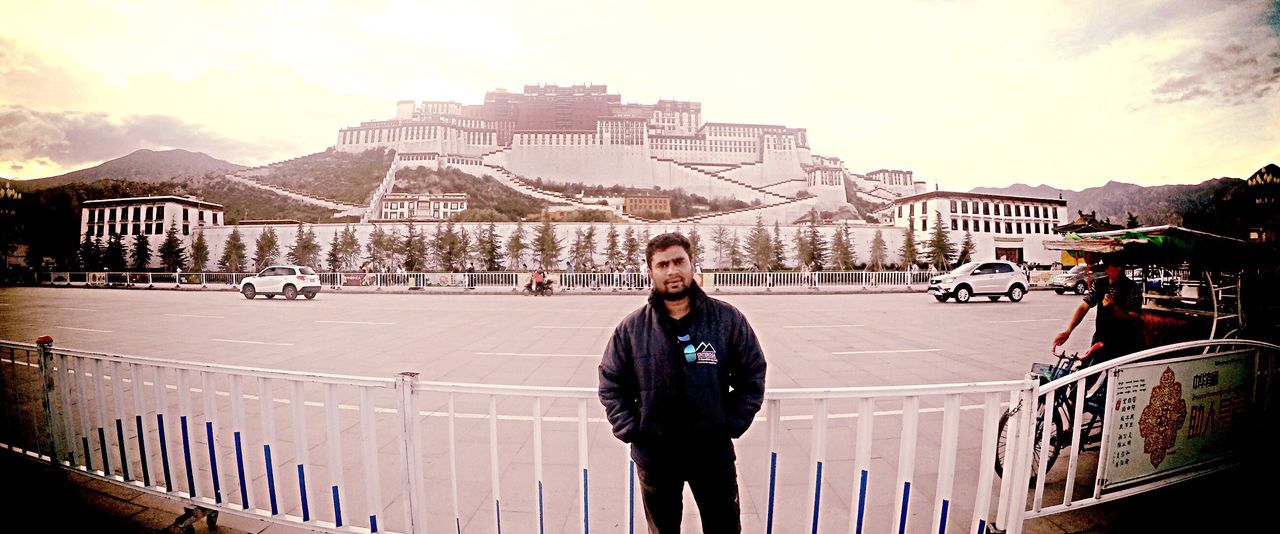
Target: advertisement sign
(1170, 415)
(97, 279)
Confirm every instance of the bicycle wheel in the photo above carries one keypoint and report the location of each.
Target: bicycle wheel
(1055, 441)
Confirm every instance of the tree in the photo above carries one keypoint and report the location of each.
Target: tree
(113, 258)
(759, 246)
(377, 249)
(464, 248)
(735, 252)
(631, 248)
(265, 250)
(612, 254)
(233, 253)
(350, 249)
(489, 249)
(516, 246)
(817, 243)
(141, 254)
(589, 248)
(966, 249)
(1132, 222)
(172, 257)
(199, 254)
(334, 257)
(842, 249)
(575, 249)
(941, 249)
(547, 244)
(305, 249)
(779, 249)
(804, 250)
(879, 253)
(910, 254)
(90, 253)
(414, 251)
(695, 246)
(720, 238)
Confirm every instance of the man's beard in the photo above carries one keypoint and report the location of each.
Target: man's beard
(673, 296)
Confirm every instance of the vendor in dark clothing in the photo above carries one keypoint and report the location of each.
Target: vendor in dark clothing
(665, 382)
(1119, 321)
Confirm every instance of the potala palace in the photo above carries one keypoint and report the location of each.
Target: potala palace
(584, 134)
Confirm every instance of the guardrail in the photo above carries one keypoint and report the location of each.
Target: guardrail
(509, 279)
(1169, 414)
(361, 454)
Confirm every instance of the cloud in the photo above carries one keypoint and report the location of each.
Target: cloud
(1234, 58)
(76, 138)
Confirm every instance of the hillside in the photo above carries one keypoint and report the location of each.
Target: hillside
(147, 166)
(483, 193)
(1152, 205)
(331, 174)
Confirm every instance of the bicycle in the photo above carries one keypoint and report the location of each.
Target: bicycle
(1064, 399)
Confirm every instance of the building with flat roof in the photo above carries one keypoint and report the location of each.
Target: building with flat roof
(648, 206)
(149, 216)
(1005, 227)
(421, 207)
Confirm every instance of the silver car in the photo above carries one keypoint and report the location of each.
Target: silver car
(992, 279)
(1074, 279)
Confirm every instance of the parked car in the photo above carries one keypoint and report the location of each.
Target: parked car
(992, 279)
(287, 280)
(1074, 280)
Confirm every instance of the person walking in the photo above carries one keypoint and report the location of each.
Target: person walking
(680, 379)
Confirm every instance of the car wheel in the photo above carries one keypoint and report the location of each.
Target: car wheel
(1059, 291)
(248, 291)
(310, 295)
(941, 298)
(963, 294)
(994, 297)
(1016, 293)
(1080, 287)
(290, 292)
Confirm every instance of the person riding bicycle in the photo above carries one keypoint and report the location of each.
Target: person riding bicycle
(1118, 325)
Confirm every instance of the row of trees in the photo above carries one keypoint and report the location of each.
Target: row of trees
(116, 255)
(452, 248)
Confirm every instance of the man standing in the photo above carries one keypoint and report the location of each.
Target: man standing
(665, 382)
(1119, 322)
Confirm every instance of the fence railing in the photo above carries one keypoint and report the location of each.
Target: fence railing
(345, 453)
(512, 280)
(1209, 398)
(365, 454)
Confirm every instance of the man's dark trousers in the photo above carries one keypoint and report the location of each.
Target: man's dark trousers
(714, 486)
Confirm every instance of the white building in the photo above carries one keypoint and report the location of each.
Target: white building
(148, 216)
(1003, 227)
(428, 207)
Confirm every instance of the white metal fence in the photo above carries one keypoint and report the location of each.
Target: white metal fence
(362, 454)
(510, 280)
(1073, 420)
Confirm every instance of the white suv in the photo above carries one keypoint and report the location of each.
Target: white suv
(287, 280)
(992, 279)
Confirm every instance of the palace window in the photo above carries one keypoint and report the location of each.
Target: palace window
(1008, 228)
(955, 225)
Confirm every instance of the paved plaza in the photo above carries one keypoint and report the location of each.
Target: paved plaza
(810, 341)
(814, 340)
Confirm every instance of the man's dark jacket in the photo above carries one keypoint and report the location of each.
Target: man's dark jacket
(668, 408)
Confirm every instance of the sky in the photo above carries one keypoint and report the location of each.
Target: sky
(965, 94)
